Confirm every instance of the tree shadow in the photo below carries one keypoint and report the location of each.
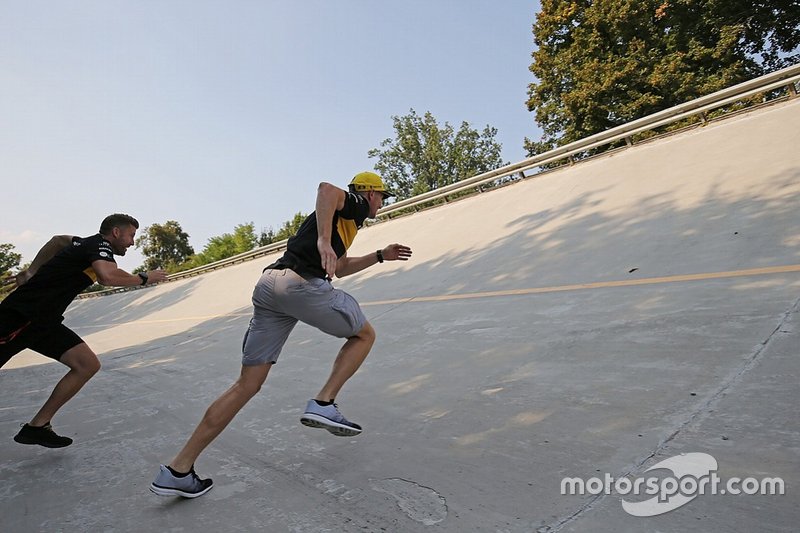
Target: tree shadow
(130, 305)
(578, 243)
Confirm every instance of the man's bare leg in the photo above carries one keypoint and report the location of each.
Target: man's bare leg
(83, 364)
(350, 357)
(220, 414)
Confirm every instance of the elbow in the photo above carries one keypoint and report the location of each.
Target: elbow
(325, 188)
(104, 278)
(330, 195)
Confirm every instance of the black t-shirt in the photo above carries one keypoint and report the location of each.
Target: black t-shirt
(302, 254)
(50, 291)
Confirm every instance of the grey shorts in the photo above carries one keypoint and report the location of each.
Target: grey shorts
(281, 298)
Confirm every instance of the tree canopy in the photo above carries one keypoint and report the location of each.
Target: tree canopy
(600, 64)
(243, 239)
(424, 156)
(9, 259)
(289, 228)
(164, 246)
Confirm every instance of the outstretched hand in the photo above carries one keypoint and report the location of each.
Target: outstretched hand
(396, 252)
(155, 276)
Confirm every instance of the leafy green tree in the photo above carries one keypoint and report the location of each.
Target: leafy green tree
(243, 239)
(288, 229)
(424, 156)
(164, 246)
(9, 259)
(600, 64)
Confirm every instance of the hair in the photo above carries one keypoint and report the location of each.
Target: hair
(117, 220)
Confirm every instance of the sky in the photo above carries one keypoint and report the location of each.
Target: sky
(218, 113)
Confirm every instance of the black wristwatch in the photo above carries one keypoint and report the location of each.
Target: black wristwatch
(380, 256)
(143, 275)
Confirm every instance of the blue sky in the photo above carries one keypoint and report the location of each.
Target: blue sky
(218, 113)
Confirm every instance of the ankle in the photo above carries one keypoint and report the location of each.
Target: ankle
(178, 473)
(177, 467)
(324, 403)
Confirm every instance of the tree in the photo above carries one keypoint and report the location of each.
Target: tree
(243, 239)
(9, 259)
(600, 64)
(288, 229)
(424, 156)
(164, 246)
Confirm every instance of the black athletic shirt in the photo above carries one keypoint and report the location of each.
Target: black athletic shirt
(47, 294)
(302, 254)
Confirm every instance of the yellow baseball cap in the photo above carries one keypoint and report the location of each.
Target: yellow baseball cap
(369, 181)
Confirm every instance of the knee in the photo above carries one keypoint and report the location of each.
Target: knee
(367, 333)
(249, 388)
(90, 367)
(87, 365)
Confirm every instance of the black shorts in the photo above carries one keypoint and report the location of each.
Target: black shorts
(51, 339)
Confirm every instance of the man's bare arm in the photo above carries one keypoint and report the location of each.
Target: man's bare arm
(351, 265)
(330, 199)
(110, 275)
(48, 251)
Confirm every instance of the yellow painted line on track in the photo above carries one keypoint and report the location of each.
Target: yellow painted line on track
(766, 271)
(598, 285)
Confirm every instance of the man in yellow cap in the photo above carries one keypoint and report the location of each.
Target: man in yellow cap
(297, 287)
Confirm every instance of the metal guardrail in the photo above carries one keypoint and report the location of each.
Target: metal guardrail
(784, 78)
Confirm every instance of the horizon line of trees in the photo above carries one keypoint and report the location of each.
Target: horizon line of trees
(166, 246)
(422, 156)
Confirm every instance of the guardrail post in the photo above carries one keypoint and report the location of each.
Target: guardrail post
(628, 141)
(792, 90)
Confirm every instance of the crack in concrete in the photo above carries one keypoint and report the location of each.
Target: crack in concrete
(697, 415)
(420, 503)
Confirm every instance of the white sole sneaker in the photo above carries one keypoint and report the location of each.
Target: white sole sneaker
(164, 491)
(340, 430)
(188, 486)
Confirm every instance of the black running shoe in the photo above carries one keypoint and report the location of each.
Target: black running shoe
(43, 436)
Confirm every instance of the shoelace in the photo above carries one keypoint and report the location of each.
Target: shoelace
(194, 475)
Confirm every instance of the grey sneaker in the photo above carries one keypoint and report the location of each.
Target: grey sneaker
(188, 486)
(328, 417)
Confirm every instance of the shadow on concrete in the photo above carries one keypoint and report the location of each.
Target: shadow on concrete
(577, 243)
(128, 306)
